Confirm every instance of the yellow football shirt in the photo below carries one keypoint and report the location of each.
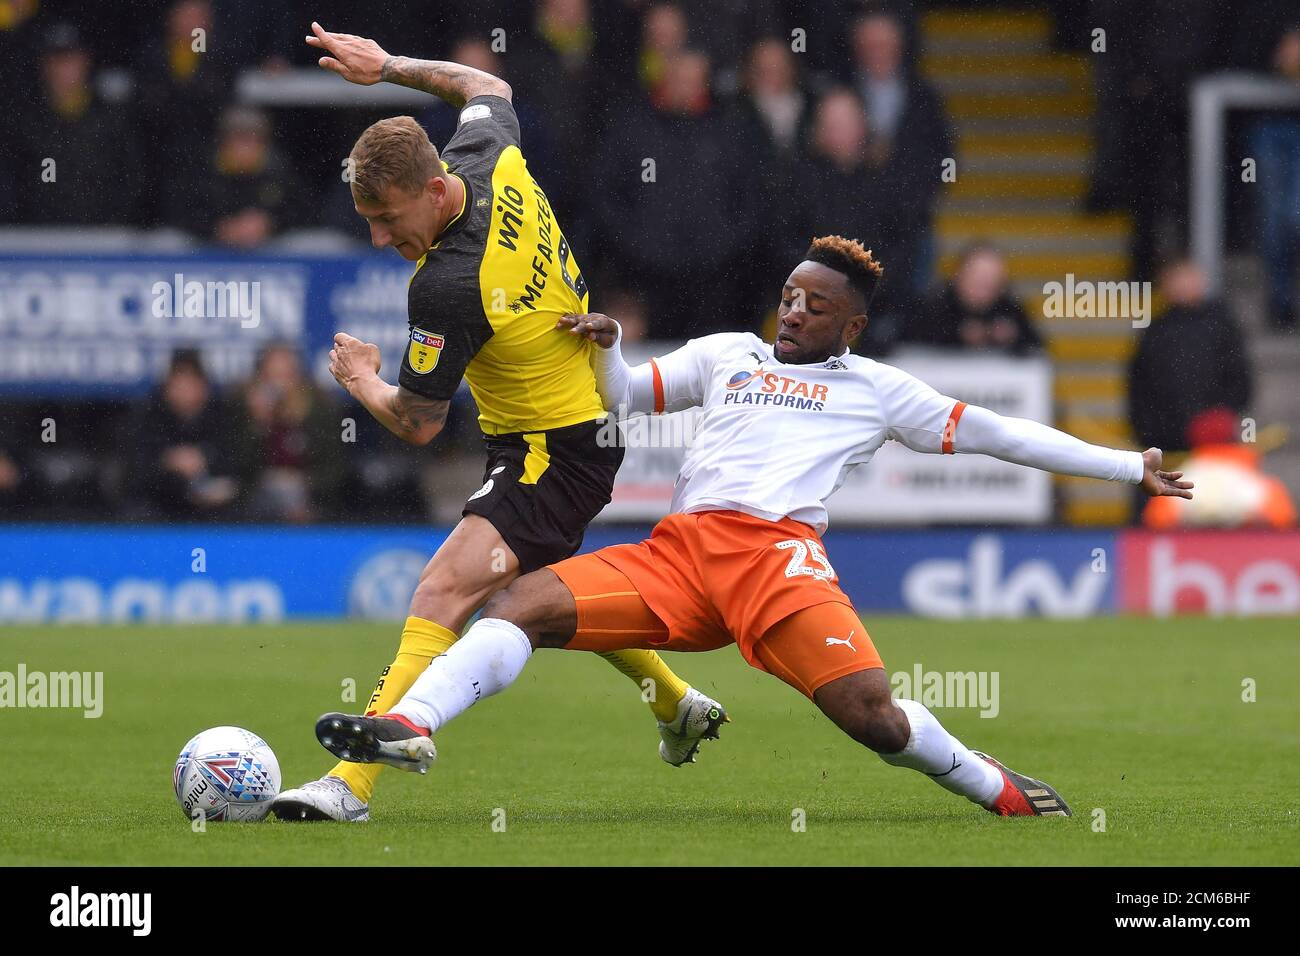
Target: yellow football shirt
(483, 302)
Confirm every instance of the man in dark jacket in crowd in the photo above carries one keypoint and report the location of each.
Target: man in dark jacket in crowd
(976, 309)
(74, 158)
(181, 450)
(1193, 357)
(844, 186)
(252, 191)
(675, 203)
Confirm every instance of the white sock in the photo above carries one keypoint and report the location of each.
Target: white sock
(486, 660)
(945, 759)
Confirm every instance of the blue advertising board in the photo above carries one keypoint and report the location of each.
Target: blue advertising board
(66, 574)
(105, 326)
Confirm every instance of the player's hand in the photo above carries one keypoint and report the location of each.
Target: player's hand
(1158, 483)
(356, 59)
(351, 359)
(601, 329)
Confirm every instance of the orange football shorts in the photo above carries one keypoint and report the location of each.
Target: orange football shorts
(705, 580)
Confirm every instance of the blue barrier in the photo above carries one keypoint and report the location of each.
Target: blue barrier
(106, 326)
(63, 574)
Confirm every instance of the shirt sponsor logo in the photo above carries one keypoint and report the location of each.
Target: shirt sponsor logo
(777, 390)
(422, 354)
(477, 111)
(741, 379)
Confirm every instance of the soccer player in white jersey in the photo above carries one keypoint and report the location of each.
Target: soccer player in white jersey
(740, 558)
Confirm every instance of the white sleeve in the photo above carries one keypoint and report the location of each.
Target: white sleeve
(671, 383)
(978, 431)
(622, 388)
(915, 414)
(926, 421)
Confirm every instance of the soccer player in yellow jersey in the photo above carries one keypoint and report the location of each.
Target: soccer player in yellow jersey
(493, 275)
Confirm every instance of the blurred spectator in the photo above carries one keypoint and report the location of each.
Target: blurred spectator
(1274, 142)
(288, 449)
(556, 82)
(664, 34)
(976, 309)
(74, 153)
(674, 207)
(180, 90)
(1191, 358)
(830, 45)
(15, 486)
(182, 467)
(252, 191)
(545, 121)
(1154, 51)
(18, 35)
(1231, 489)
(773, 96)
(842, 187)
(776, 112)
(910, 134)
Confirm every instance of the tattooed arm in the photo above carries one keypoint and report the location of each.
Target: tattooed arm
(365, 62)
(452, 82)
(411, 417)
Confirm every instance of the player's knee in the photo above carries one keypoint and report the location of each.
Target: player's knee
(438, 590)
(506, 605)
(535, 604)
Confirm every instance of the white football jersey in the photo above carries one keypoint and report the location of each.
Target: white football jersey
(776, 439)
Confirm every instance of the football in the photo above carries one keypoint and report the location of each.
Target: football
(226, 773)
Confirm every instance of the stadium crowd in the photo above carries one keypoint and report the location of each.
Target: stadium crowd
(755, 146)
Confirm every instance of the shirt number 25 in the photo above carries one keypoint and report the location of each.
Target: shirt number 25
(804, 549)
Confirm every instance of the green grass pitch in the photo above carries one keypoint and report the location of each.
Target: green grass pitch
(1143, 719)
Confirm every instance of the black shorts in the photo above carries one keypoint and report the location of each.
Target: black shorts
(541, 489)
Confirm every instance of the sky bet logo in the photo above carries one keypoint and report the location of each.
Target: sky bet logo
(775, 389)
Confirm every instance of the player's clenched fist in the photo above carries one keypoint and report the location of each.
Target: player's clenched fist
(354, 58)
(351, 359)
(601, 329)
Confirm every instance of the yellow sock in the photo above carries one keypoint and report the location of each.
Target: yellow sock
(640, 666)
(422, 641)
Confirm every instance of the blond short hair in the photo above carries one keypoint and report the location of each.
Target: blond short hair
(393, 152)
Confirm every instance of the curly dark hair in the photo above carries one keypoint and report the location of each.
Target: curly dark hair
(851, 258)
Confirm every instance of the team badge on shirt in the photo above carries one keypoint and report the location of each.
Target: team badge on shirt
(422, 354)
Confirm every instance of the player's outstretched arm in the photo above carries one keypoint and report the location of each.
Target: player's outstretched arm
(363, 61)
(1025, 442)
(412, 418)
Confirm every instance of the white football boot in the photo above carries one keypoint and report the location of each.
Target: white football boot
(698, 718)
(329, 798)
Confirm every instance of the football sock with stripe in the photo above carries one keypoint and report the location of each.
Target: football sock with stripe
(943, 758)
(665, 689)
(422, 641)
(486, 660)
